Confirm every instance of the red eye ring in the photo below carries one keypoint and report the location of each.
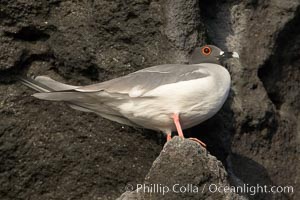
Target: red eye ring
(206, 50)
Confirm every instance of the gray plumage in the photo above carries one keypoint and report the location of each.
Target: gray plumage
(148, 79)
(148, 97)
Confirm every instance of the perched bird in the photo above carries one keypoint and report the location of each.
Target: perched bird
(166, 98)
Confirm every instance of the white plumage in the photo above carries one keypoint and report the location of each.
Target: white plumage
(150, 97)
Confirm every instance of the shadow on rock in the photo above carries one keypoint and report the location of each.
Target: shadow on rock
(248, 174)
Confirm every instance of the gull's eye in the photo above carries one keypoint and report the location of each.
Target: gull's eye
(206, 50)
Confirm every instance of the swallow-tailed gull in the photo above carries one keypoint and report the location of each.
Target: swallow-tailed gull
(168, 97)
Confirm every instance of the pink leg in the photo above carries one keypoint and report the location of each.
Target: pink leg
(179, 130)
(177, 124)
(169, 136)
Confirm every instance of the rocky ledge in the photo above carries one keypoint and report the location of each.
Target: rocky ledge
(184, 170)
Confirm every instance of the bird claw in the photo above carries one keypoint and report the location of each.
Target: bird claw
(169, 137)
(198, 141)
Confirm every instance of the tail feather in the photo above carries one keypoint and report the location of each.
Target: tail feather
(87, 101)
(29, 82)
(55, 85)
(52, 90)
(66, 96)
(45, 84)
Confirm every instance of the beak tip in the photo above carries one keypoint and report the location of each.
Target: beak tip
(235, 55)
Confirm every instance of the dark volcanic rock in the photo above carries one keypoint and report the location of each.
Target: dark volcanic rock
(48, 151)
(183, 170)
(265, 89)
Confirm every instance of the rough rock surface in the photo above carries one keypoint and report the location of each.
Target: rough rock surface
(48, 151)
(183, 170)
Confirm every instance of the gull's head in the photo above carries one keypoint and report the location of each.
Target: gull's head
(210, 54)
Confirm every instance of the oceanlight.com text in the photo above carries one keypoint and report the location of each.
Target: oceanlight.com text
(212, 188)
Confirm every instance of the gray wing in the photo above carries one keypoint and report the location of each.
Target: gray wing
(142, 81)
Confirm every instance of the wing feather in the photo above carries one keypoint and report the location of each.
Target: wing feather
(138, 83)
